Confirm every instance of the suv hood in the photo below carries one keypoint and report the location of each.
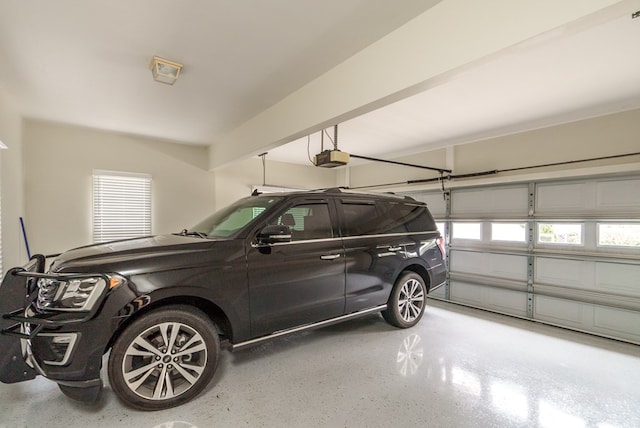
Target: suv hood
(161, 251)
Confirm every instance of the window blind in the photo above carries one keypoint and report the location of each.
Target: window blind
(121, 205)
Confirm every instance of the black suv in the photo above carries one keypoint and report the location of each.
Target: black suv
(266, 266)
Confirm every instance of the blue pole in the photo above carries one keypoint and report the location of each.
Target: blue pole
(26, 241)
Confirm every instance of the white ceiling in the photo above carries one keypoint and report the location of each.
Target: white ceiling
(86, 63)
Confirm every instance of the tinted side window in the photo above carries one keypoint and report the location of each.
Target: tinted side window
(359, 219)
(384, 217)
(307, 221)
(411, 218)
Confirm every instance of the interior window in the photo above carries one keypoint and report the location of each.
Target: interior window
(121, 205)
(307, 221)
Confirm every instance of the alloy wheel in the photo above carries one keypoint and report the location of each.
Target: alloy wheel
(411, 300)
(164, 361)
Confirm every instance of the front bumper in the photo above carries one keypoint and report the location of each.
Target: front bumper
(64, 347)
(13, 360)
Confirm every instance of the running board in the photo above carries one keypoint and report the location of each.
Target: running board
(237, 346)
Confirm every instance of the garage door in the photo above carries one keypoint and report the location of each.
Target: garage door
(565, 253)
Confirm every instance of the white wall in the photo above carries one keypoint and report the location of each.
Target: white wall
(13, 252)
(597, 137)
(58, 164)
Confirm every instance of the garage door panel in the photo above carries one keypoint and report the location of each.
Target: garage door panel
(507, 266)
(504, 266)
(563, 312)
(466, 262)
(604, 320)
(567, 273)
(604, 277)
(618, 277)
(617, 322)
(496, 299)
(506, 201)
(511, 302)
(597, 195)
(560, 197)
(618, 194)
(466, 293)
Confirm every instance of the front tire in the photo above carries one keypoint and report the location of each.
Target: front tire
(164, 359)
(407, 301)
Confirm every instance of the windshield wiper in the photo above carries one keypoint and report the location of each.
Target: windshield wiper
(185, 232)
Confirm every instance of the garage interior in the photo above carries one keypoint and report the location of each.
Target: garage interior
(534, 107)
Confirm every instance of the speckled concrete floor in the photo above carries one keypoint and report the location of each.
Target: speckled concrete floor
(459, 367)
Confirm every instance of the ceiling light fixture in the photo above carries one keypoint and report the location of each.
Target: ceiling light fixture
(165, 71)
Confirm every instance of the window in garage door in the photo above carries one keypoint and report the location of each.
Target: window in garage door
(466, 230)
(509, 232)
(560, 233)
(121, 205)
(619, 235)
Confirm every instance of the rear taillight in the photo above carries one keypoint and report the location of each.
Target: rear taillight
(441, 246)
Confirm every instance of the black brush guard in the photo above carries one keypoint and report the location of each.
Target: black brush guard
(16, 293)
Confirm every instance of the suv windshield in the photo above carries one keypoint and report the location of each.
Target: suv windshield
(231, 219)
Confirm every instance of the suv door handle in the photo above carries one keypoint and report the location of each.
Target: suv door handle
(330, 256)
(391, 247)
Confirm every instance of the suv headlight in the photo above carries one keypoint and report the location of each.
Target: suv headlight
(73, 294)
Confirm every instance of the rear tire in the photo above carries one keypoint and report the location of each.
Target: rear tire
(407, 301)
(164, 359)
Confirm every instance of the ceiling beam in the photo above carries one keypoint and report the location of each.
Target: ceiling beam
(425, 52)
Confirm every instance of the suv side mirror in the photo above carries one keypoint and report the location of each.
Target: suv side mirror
(273, 234)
